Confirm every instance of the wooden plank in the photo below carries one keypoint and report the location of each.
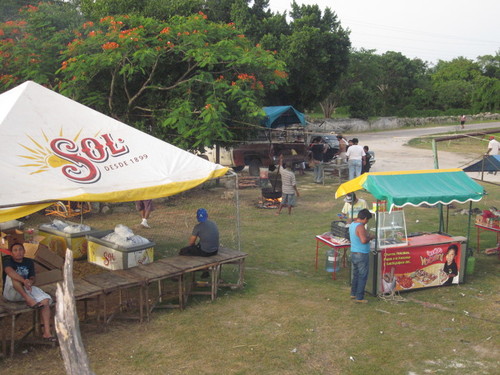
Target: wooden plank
(160, 270)
(190, 263)
(83, 289)
(109, 281)
(15, 307)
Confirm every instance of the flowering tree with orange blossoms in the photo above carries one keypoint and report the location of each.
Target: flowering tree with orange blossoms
(190, 81)
(30, 45)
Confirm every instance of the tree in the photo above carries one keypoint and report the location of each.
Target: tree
(9, 9)
(30, 46)
(190, 81)
(453, 82)
(400, 76)
(159, 9)
(315, 50)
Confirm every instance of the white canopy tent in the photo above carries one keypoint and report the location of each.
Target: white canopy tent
(54, 148)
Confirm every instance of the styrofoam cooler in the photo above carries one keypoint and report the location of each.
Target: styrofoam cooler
(115, 257)
(58, 241)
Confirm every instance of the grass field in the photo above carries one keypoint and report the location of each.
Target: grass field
(291, 319)
(471, 144)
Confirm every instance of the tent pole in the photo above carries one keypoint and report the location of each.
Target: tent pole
(467, 243)
(482, 168)
(237, 195)
(436, 166)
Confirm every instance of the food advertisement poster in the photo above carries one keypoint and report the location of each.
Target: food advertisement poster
(420, 267)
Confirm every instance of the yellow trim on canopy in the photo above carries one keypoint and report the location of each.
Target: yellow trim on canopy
(8, 214)
(357, 183)
(150, 192)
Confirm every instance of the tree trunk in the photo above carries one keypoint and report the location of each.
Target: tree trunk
(67, 325)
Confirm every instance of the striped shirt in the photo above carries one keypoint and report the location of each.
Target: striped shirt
(287, 181)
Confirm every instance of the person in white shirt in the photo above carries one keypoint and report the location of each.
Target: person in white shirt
(355, 159)
(493, 146)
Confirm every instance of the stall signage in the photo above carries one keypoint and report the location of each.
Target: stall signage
(421, 267)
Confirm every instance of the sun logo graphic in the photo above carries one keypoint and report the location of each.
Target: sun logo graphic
(78, 159)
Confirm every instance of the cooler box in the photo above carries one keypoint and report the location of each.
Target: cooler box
(10, 233)
(115, 257)
(58, 241)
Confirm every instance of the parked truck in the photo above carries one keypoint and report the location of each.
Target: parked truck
(259, 154)
(282, 133)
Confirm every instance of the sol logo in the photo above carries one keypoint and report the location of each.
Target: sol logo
(82, 156)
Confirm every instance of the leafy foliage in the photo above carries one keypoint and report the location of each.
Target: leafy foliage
(30, 46)
(189, 81)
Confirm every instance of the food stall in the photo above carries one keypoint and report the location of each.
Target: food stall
(402, 262)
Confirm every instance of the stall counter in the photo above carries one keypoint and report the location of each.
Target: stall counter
(420, 264)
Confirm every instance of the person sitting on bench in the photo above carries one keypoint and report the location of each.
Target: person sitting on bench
(208, 233)
(19, 277)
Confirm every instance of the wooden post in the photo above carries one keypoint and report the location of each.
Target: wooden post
(67, 325)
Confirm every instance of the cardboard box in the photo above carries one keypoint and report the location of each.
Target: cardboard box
(10, 237)
(43, 255)
(115, 257)
(58, 241)
(48, 277)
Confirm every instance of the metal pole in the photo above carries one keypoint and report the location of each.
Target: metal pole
(467, 242)
(482, 168)
(436, 166)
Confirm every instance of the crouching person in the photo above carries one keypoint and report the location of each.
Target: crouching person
(19, 273)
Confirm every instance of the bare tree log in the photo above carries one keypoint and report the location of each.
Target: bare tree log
(67, 325)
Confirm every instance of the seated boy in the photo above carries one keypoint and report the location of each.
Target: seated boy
(19, 273)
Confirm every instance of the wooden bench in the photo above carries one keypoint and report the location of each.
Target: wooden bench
(98, 286)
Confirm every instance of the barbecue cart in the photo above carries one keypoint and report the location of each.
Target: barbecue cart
(400, 261)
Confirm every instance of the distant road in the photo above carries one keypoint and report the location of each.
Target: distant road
(393, 154)
(411, 133)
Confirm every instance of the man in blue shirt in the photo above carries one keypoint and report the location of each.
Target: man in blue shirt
(360, 250)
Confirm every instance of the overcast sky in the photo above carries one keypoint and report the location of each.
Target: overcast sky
(431, 30)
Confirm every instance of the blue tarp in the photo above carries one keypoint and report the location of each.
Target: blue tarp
(278, 116)
(490, 163)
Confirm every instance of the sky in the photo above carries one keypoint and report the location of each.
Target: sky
(431, 30)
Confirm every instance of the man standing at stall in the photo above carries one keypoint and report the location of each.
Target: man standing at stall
(352, 206)
(360, 251)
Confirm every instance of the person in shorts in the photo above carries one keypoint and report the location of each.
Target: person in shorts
(288, 188)
(19, 277)
(145, 207)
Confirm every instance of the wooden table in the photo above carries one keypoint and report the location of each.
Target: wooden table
(110, 282)
(326, 239)
(482, 228)
(334, 170)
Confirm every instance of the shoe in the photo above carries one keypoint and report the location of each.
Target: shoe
(145, 224)
(353, 297)
(36, 306)
(50, 339)
(361, 301)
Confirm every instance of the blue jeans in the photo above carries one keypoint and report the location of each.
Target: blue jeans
(360, 263)
(318, 172)
(354, 168)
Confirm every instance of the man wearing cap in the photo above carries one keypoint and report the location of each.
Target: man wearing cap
(208, 233)
(493, 146)
(352, 206)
